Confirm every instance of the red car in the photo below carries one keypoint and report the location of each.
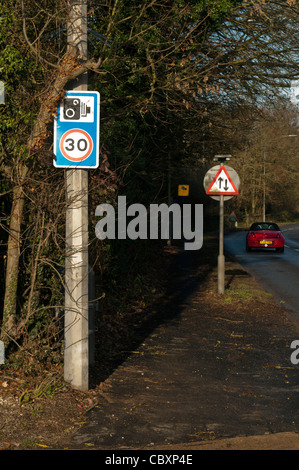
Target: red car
(265, 235)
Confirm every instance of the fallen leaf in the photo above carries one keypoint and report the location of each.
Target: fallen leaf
(4, 445)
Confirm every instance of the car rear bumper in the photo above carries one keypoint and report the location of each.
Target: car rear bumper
(265, 244)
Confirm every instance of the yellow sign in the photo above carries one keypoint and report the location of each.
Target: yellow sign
(183, 190)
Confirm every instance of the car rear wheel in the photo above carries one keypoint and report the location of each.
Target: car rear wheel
(280, 250)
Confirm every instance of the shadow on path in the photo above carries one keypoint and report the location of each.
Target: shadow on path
(184, 279)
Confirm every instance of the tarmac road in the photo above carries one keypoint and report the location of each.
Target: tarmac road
(278, 273)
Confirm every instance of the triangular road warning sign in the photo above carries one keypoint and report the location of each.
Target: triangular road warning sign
(222, 184)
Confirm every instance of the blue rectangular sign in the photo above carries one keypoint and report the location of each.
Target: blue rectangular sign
(76, 130)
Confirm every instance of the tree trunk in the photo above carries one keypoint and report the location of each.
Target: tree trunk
(8, 329)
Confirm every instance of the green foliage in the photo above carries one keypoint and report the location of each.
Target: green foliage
(19, 71)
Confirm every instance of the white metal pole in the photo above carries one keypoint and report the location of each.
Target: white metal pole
(221, 259)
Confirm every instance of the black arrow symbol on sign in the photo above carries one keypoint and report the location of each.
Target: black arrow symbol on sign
(226, 186)
(220, 181)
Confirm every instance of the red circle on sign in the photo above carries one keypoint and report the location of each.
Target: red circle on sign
(73, 143)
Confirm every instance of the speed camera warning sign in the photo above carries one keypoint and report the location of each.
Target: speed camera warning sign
(76, 130)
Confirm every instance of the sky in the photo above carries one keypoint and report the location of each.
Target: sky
(295, 92)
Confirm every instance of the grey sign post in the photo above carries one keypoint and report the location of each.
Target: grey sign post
(2, 353)
(76, 331)
(221, 183)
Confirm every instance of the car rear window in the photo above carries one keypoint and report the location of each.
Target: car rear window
(264, 226)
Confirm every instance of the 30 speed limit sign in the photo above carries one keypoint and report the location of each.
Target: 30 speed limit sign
(76, 145)
(76, 130)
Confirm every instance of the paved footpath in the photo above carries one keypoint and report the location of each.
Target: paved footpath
(201, 379)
